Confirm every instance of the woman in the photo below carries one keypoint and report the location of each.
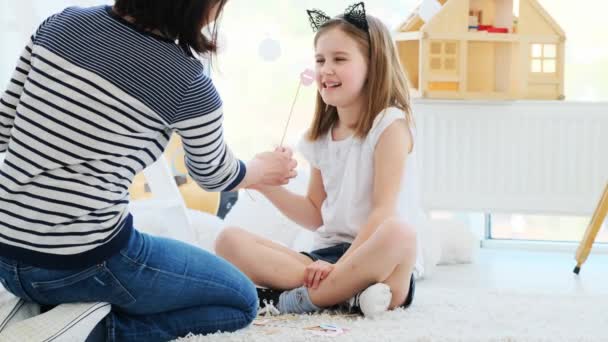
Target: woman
(94, 99)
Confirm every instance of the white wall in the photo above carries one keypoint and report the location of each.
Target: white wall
(19, 19)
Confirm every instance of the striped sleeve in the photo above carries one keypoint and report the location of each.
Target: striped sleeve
(10, 98)
(198, 122)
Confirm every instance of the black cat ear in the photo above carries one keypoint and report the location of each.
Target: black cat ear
(355, 14)
(317, 18)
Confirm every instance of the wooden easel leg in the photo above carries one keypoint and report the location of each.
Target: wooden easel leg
(594, 227)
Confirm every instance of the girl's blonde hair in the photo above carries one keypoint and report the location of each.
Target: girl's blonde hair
(386, 84)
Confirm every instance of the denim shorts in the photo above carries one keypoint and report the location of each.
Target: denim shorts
(330, 254)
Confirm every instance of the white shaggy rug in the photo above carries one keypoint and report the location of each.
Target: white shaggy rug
(449, 315)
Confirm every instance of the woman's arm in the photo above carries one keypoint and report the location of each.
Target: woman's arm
(209, 160)
(303, 210)
(389, 163)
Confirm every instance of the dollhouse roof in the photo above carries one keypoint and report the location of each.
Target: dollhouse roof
(415, 23)
(547, 17)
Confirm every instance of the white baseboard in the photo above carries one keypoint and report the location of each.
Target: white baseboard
(541, 246)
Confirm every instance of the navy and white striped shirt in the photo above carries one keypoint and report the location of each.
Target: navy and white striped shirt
(92, 102)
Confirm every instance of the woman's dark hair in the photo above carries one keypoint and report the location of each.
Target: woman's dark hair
(180, 20)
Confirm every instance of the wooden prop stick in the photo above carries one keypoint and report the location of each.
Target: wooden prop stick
(290, 113)
(594, 227)
(307, 77)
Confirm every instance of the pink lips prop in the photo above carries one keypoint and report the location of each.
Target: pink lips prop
(307, 77)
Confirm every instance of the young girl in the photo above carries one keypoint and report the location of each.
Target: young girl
(358, 146)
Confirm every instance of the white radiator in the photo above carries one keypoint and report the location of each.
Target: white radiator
(523, 156)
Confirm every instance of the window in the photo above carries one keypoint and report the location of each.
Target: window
(542, 228)
(520, 227)
(544, 57)
(444, 57)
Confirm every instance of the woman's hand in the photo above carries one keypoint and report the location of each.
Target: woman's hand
(316, 272)
(271, 168)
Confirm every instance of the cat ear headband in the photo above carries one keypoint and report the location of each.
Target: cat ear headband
(354, 14)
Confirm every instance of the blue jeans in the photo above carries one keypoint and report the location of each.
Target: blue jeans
(160, 289)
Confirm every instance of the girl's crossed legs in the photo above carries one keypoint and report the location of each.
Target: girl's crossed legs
(388, 257)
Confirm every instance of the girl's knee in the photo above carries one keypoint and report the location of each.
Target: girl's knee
(398, 232)
(398, 239)
(227, 240)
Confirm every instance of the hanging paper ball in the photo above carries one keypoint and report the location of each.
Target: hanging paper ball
(270, 50)
(307, 77)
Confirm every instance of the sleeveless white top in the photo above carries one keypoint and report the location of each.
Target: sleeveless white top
(347, 168)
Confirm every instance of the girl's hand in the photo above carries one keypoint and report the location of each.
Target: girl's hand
(272, 168)
(286, 150)
(316, 272)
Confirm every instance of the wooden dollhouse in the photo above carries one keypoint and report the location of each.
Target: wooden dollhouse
(482, 49)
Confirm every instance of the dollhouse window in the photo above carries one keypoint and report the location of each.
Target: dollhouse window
(444, 56)
(544, 58)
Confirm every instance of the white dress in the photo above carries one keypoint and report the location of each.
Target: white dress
(347, 168)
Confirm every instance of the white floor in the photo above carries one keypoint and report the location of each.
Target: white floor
(505, 295)
(522, 271)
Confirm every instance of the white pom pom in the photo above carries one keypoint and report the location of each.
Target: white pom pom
(375, 300)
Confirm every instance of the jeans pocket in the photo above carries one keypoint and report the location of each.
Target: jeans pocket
(94, 284)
